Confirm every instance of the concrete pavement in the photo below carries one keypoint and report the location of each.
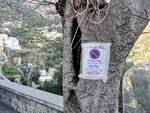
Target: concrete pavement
(5, 109)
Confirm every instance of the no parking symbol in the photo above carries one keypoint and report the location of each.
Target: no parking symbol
(94, 53)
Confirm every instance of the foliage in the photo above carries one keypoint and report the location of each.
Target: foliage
(27, 36)
(27, 79)
(18, 10)
(35, 76)
(10, 70)
(23, 81)
(55, 85)
(58, 77)
(139, 53)
(30, 45)
(141, 49)
(27, 32)
(54, 60)
(54, 54)
(17, 55)
(51, 87)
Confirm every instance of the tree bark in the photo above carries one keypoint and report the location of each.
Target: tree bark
(125, 21)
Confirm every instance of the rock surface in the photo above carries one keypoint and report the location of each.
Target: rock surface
(136, 89)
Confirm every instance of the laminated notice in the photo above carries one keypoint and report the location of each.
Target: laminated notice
(95, 60)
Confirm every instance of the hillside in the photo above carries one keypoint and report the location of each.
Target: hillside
(141, 49)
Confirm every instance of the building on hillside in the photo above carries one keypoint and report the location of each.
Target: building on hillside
(4, 30)
(52, 35)
(44, 76)
(51, 72)
(13, 24)
(43, 72)
(2, 37)
(1, 45)
(11, 42)
(47, 76)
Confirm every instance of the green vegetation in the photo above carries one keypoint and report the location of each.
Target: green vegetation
(16, 10)
(28, 36)
(51, 87)
(10, 70)
(141, 49)
(26, 29)
(27, 79)
(139, 53)
(54, 57)
(54, 60)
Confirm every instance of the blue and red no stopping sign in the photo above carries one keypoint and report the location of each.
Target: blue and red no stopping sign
(94, 53)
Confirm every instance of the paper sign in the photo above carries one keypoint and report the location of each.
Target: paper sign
(95, 60)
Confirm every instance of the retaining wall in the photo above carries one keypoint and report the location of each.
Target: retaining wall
(28, 100)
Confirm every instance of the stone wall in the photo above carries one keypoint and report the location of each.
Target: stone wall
(136, 89)
(28, 100)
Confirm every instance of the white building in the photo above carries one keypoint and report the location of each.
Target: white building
(43, 72)
(44, 76)
(52, 35)
(1, 45)
(2, 37)
(13, 24)
(51, 72)
(12, 43)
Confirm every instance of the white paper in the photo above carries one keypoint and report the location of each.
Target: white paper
(95, 60)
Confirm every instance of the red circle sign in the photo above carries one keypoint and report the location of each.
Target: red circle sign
(94, 53)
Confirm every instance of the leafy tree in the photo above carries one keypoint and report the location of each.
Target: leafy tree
(54, 54)
(54, 60)
(29, 75)
(119, 22)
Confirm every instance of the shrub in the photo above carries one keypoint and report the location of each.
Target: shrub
(51, 87)
(10, 70)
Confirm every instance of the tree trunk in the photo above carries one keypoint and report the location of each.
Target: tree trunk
(124, 22)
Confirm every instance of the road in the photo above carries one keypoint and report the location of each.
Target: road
(6, 109)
